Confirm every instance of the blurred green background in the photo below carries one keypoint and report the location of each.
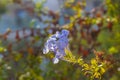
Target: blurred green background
(94, 28)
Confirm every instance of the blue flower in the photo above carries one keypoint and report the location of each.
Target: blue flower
(57, 44)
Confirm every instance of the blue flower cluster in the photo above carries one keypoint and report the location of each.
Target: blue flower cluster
(57, 44)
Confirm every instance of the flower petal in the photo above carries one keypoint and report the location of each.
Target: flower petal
(55, 60)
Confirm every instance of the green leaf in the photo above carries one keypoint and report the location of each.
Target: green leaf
(93, 62)
(102, 70)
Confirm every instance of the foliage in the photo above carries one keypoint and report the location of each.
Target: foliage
(94, 38)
